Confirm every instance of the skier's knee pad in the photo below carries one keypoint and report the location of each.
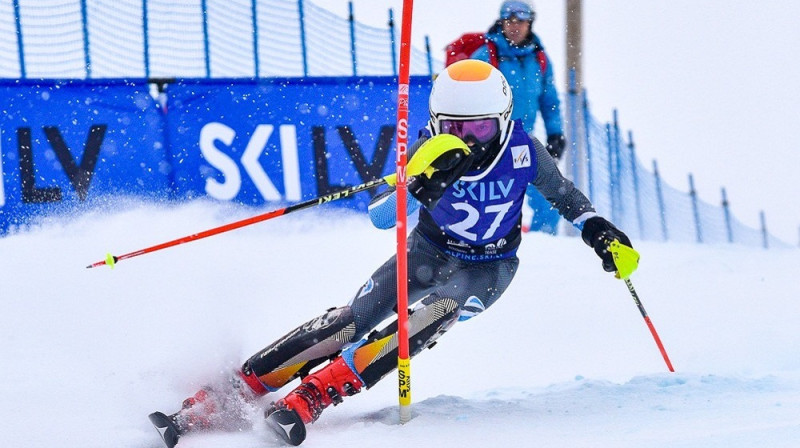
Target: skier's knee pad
(302, 349)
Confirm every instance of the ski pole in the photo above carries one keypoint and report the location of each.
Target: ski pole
(111, 260)
(626, 260)
(421, 163)
(649, 323)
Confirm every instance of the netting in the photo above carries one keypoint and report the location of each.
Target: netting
(192, 38)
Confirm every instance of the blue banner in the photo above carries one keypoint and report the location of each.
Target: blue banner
(64, 142)
(285, 140)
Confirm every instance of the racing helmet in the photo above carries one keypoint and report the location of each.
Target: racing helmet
(472, 100)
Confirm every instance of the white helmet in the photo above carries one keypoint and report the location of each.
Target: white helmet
(471, 99)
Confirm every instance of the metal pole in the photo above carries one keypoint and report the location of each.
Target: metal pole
(352, 19)
(636, 192)
(86, 57)
(256, 61)
(727, 212)
(587, 122)
(391, 42)
(661, 205)
(428, 52)
(764, 233)
(574, 41)
(20, 46)
(693, 195)
(146, 36)
(303, 36)
(205, 38)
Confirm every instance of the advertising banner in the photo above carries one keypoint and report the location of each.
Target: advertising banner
(285, 140)
(64, 143)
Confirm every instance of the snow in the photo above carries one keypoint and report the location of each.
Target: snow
(564, 359)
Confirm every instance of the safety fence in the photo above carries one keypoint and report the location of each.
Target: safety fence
(624, 189)
(137, 41)
(194, 39)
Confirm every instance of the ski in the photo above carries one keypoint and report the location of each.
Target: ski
(166, 428)
(287, 425)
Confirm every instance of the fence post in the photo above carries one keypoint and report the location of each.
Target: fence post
(430, 58)
(303, 37)
(635, 173)
(204, 6)
(352, 20)
(618, 169)
(86, 57)
(611, 177)
(254, 15)
(146, 37)
(693, 195)
(587, 124)
(661, 207)
(20, 46)
(764, 233)
(727, 213)
(391, 41)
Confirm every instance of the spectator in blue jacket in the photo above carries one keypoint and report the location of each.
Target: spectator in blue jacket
(525, 65)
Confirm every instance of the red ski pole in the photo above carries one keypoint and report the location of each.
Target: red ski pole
(111, 260)
(649, 323)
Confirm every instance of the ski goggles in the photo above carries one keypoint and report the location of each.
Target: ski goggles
(518, 10)
(483, 129)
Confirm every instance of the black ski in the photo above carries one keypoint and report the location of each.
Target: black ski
(287, 425)
(166, 427)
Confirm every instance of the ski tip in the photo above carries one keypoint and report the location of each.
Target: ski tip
(288, 425)
(166, 427)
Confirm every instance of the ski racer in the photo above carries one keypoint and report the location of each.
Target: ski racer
(461, 258)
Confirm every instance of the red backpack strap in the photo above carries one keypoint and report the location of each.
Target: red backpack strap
(493, 58)
(541, 57)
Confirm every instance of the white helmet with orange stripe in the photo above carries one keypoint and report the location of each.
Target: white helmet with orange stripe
(471, 99)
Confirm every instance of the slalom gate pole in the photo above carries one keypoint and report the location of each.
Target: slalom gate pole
(111, 260)
(649, 323)
(403, 358)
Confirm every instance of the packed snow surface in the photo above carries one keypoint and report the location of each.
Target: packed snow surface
(564, 359)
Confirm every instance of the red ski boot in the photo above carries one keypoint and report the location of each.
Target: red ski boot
(220, 407)
(288, 416)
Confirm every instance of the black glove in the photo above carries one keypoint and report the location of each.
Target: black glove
(556, 144)
(449, 167)
(598, 234)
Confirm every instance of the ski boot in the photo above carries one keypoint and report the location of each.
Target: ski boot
(288, 416)
(222, 407)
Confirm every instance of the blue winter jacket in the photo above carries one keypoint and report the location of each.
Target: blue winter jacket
(533, 90)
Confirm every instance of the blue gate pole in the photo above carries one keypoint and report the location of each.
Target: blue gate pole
(635, 173)
(391, 42)
(430, 58)
(352, 20)
(693, 195)
(303, 36)
(254, 15)
(20, 46)
(661, 207)
(146, 37)
(727, 213)
(204, 6)
(587, 124)
(85, 22)
(764, 233)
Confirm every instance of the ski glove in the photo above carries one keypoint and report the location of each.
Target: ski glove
(448, 168)
(598, 233)
(556, 144)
